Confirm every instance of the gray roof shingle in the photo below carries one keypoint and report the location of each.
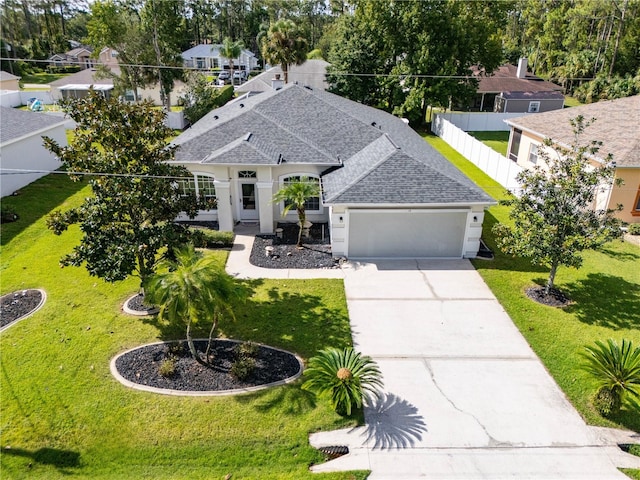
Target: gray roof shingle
(16, 123)
(616, 126)
(375, 158)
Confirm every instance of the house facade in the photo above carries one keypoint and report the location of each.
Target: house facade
(208, 57)
(512, 89)
(22, 148)
(385, 191)
(80, 57)
(616, 126)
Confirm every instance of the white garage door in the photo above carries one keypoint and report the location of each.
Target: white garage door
(419, 233)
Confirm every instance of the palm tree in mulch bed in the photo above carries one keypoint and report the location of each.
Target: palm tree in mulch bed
(296, 194)
(191, 290)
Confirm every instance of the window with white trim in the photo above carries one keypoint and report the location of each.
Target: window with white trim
(311, 205)
(533, 153)
(199, 185)
(534, 107)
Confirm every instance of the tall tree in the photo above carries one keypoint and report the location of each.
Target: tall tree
(136, 197)
(554, 218)
(284, 45)
(190, 290)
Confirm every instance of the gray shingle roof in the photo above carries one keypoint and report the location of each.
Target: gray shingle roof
(505, 79)
(16, 123)
(616, 126)
(380, 159)
(8, 76)
(208, 51)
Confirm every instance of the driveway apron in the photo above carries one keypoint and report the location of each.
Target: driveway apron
(464, 395)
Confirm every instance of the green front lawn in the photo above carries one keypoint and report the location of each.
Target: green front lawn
(63, 414)
(499, 141)
(42, 77)
(605, 291)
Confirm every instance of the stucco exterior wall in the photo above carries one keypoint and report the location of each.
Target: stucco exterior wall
(626, 194)
(28, 153)
(513, 105)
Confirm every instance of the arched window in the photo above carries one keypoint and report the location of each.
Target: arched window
(313, 204)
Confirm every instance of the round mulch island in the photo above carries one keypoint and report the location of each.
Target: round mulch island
(135, 306)
(141, 368)
(18, 305)
(555, 298)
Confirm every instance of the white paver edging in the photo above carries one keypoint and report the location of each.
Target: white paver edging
(138, 313)
(43, 298)
(208, 393)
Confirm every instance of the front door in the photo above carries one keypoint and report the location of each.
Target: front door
(248, 201)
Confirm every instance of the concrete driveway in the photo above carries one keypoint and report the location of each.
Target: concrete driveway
(465, 397)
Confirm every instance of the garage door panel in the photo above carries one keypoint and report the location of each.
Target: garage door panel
(406, 234)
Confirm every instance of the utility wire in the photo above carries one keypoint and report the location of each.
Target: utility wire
(339, 74)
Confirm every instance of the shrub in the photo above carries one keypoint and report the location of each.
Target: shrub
(343, 376)
(634, 229)
(8, 214)
(617, 370)
(207, 238)
(167, 367)
(243, 367)
(246, 350)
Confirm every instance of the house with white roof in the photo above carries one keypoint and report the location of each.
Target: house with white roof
(208, 57)
(385, 191)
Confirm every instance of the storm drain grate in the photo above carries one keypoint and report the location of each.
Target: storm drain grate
(334, 451)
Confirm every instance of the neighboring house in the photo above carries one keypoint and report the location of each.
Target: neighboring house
(22, 149)
(513, 89)
(80, 57)
(208, 57)
(385, 191)
(9, 81)
(77, 85)
(312, 73)
(616, 126)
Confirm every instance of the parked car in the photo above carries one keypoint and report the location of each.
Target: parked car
(224, 76)
(240, 76)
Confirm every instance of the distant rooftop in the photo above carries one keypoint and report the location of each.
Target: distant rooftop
(616, 126)
(16, 123)
(505, 79)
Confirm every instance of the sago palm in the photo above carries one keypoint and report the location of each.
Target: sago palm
(342, 375)
(295, 195)
(192, 289)
(617, 370)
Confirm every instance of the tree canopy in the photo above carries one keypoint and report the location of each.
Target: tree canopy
(129, 219)
(284, 45)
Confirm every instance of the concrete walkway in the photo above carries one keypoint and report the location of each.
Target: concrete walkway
(465, 397)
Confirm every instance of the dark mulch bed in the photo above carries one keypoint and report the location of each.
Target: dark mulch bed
(555, 298)
(141, 366)
(213, 225)
(18, 304)
(316, 251)
(137, 304)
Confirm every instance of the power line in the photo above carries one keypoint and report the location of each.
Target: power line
(339, 74)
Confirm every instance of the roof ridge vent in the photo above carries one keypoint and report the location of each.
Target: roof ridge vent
(247, 137)
(397, 147)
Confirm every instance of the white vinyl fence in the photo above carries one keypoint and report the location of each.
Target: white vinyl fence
(14, 98)
(480, 121)
(498, 167)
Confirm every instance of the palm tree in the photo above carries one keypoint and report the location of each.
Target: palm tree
(617, 370)
(344, 376)
(283, 45)
(192, 289)
(231, 50)
(296, 194)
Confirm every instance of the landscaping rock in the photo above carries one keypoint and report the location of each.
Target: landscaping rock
(18, 304)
